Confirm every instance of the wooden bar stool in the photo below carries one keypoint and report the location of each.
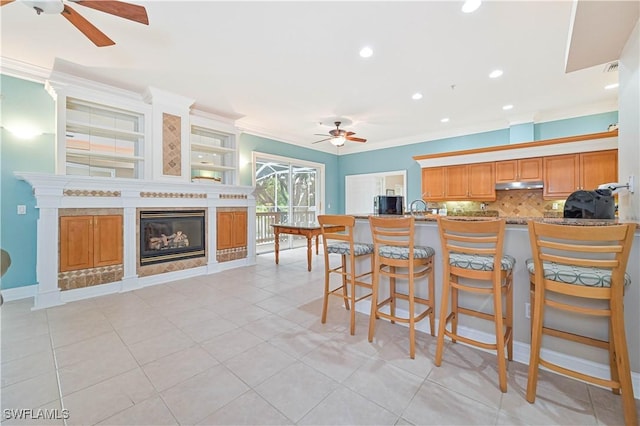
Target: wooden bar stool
(582, 263)
(342, 243)
(474, 250)
(397, 257)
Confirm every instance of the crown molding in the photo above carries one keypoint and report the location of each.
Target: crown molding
(23, 70)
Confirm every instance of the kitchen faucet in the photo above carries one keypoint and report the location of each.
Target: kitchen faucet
(419, 200)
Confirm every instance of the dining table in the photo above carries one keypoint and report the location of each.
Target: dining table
(306, 229)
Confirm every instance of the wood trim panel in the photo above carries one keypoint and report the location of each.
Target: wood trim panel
(520, 145)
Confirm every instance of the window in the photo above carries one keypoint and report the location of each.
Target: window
(213, 156)
(103, 141)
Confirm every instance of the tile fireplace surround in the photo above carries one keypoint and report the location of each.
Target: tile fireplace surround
(56, 192)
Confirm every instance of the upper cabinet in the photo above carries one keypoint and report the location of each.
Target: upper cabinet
(564, 174)
(433, 183)
(523, 170)
(463, 182)
(470, 182)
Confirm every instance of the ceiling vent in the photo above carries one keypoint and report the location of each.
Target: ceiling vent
(611, 67)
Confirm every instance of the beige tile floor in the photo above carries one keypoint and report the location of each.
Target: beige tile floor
(246, 347)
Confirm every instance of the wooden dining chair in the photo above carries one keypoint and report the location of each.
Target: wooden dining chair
(581, 263)
(337, 237)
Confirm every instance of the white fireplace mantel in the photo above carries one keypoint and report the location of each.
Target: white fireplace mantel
(55, 192)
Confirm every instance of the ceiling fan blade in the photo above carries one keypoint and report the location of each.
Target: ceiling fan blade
(86, 27)
(352, 139)
(124, 10)
(350, 133)
(322, 140)
(3, 2)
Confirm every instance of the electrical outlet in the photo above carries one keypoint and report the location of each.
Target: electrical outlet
(554, 206)
(527, 310)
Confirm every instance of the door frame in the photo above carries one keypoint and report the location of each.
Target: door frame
(291, 161)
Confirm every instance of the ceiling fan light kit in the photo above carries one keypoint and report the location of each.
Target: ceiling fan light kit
(48, 7)
(338, 140)
(338, 137)
(121, 9)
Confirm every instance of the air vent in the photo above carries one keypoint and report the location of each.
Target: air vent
(611, 67)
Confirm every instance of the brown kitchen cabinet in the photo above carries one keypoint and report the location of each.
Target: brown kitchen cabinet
(231, 229)
(433, 183)
(90, 241)
(522, 170)
(470, 182)
(564, 174)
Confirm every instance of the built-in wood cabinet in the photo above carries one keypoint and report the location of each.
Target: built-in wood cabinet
(433, 183)
(470, 182)
(564, 174)
(523, 170)
(231, 229)
(90, 241)
(462, 182)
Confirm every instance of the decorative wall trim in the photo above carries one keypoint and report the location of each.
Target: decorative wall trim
(234, 196)
(569, 145)
(227, 255)
(171, 145)
(171, 195)
(89, 277)
(90, 193)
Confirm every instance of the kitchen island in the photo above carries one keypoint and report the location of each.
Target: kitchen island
(584, 358)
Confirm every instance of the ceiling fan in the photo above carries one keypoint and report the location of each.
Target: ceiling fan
(129, 11)
(339, 136)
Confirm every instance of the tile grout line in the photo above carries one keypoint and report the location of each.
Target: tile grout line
(55, 364)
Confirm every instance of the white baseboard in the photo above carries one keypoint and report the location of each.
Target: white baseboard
(18, 293)
(521, 350)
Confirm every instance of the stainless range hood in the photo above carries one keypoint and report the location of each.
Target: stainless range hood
(518, 185)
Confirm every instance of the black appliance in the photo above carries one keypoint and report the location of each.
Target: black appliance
(597, 204)
(388, 204)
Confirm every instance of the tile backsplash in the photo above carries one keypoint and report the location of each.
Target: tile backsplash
(512, 203)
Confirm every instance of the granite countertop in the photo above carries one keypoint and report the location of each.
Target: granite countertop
(515, 220)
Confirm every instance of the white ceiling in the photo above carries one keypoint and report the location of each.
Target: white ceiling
(281, 68)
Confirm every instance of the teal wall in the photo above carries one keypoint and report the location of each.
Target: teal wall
(401, 158)
(250, 143)
(594, 123)
(30, 103)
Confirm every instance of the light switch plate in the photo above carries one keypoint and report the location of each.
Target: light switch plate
(22, 209)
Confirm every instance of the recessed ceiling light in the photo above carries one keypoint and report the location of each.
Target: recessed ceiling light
(611, 86)
(495, 74)
(416, 96)
(507, 107)
(445, 120)
(471, 6)
(366, 52)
